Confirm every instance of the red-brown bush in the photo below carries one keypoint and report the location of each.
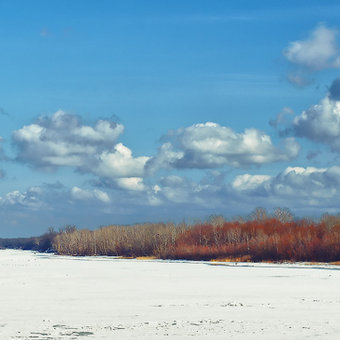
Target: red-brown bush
(267, 239)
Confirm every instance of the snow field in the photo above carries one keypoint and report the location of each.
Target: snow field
(44, 296)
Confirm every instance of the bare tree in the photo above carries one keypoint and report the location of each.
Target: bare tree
(284, 215)
(258, 214)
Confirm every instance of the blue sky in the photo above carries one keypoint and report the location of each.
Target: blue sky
(133, 111)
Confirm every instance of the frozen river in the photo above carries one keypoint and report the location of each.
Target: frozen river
(44, 296)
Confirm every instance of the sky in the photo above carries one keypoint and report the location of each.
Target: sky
(122, 112)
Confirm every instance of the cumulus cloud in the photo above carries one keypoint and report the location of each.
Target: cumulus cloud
(211, 145)
(63, 140)
(249, 182)
(83, 194)
(304, 186)
(306, 182)
(28, 199)
(320, 123)
(131, 183)
(175, 189)
(318, 51)
(119, 163)
(166, 158)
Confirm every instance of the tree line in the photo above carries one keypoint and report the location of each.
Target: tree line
(259, 237)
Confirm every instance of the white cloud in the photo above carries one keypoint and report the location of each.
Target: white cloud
(28, 199)
(165, 158)
(183, 193)
(131, 183)
(210, 145)
(176, 189)
(301, 189)
(300, 182)
(318, 51)
(47, 197)
(62, 140)
(82, 194)
(101, 196)
(249, 182)
(320, 123)
(119, 163)
(295, 185)
(303, 171)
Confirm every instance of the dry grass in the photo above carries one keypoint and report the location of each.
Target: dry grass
(244, 258)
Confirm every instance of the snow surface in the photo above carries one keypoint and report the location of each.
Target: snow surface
(45, 296)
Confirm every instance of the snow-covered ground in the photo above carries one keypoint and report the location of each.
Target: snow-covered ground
(45, 296)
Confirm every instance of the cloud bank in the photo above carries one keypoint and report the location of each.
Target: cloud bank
(310, 186)
(62, 140)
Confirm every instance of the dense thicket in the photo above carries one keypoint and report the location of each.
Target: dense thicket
(259, 237)
(139, 240)
(269, 239)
